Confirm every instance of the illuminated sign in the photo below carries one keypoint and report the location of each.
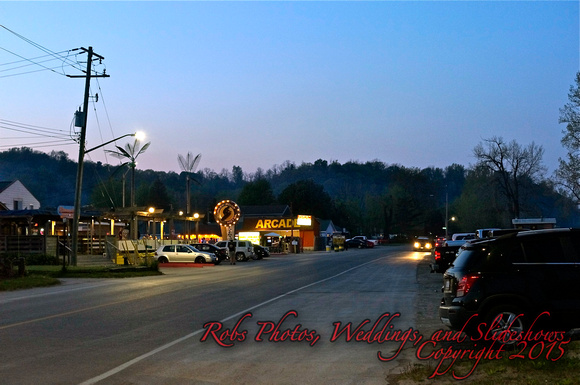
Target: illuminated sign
(253, 237)
(274, 223)
(264, 224)
(66, 211)
(227, 213)
(304, 220)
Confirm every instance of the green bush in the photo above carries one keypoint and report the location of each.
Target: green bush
(32, 259)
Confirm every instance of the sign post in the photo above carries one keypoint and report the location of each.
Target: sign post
(226, 214)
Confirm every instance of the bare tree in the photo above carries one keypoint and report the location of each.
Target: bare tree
(511, 165)
(568, 173)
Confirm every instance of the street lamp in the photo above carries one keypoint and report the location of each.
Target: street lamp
(446, 214)
(196, 218)
(151, 211)
(78, 189)
(183, 228)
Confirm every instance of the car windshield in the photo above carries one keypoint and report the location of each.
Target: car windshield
(193, 248)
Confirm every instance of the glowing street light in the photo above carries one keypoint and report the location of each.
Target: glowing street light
(196, 218)
(78, 190)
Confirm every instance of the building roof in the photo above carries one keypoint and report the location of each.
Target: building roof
(5, 184)
(533, 221)
(48, 213)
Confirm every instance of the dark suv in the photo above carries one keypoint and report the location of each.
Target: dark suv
(220, 253)
(514, 283)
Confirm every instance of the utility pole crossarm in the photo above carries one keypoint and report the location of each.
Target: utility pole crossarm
(87, 74)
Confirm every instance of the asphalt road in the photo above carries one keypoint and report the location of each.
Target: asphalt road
(281, 320)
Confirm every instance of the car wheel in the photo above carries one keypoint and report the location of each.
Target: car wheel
(240, 257)
(507, 324)
(217, 261)
(162, 260)
(200, 260)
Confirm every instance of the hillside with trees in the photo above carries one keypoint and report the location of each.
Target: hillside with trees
(367, 198)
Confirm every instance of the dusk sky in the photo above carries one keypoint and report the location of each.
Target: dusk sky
(255, 84)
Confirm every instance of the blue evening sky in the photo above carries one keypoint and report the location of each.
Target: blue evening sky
(255, 84)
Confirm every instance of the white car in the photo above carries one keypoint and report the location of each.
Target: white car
(183, 253)
(244, 250)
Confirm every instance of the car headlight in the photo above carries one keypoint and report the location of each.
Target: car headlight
(417, 245)
(427, 245)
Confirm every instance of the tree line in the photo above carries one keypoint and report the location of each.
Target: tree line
(508, 181)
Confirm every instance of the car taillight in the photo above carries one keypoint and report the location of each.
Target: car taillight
(465, 284)
(437, 255)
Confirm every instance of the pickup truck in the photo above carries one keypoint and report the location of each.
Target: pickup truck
(459, 239)
(443, 257)
(445, 254)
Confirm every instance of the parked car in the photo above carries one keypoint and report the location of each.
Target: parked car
(438, 241)
(244, 249)
(221, 254)
(183, 253)
(423, 243)
(458, 239)
(504, 285)
(443, 257)
(356, 243)
(369, 241)
(261, 251)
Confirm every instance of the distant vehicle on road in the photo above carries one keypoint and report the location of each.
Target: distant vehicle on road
(423, 242)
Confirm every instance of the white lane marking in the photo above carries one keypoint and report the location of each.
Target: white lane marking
(135, 360)
(55, 290)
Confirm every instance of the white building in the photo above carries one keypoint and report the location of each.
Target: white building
(15, 196)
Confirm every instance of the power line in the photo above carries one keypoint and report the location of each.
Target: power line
(28, 60)
(37, 63)
(64, 59)
(33, 130)
(53, 137)
(58, 143)
(43, 49)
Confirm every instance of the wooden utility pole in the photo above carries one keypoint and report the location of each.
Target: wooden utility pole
(79, 182)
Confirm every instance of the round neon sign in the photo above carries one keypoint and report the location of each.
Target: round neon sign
(227, 213)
